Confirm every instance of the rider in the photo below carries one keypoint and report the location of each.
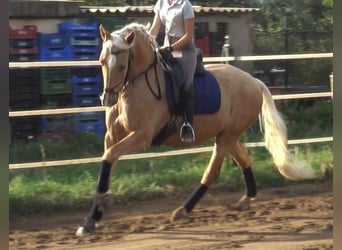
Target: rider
(177, 17)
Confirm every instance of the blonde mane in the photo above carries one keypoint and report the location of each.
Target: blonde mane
(139, 29)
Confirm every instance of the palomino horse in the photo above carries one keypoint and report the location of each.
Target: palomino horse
(137, 110)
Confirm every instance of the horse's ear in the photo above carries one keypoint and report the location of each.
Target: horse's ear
(104, 33)
(129, 38)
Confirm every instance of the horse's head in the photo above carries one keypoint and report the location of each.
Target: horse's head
(116, 58)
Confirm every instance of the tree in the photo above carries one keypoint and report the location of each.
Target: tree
(305, 27)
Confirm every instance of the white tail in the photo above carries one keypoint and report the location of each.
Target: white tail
(275, 133)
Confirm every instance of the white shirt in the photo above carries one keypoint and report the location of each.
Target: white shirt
(173, 15)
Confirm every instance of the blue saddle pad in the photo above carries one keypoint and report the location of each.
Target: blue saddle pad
(207, 94)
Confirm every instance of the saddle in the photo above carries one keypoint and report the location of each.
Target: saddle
(175, 72)
(175, 81)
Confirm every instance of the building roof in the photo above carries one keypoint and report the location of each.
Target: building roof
(147, 10)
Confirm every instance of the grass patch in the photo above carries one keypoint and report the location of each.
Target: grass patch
(73, 187)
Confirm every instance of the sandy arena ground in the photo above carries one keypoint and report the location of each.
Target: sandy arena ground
(294, 217)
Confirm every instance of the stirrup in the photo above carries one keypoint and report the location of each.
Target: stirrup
(187, 133)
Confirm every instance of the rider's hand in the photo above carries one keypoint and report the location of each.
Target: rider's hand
(165, 49)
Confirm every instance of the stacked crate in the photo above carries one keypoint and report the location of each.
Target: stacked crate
(54, 47)
(24, 95)
(56, 87)
(84, 39)
(86, 89)
(23, 44)
(86, 86)
(55, 90)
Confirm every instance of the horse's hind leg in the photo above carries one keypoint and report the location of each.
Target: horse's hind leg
(209, 176)
(241, 157)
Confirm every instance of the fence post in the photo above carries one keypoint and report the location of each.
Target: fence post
(332, 84)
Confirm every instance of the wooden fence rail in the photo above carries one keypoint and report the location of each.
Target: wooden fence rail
(159, 154)
(43, 164)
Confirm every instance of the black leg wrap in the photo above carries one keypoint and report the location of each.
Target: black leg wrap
(96, 214)
(195, 197)
(250, 182)
(103, 184)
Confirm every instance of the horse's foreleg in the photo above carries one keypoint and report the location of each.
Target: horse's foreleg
(134, 141)
(210, 175)
(102, 199)
(241, 157)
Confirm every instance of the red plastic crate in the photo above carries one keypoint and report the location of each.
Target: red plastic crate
(24, 51)
(27, 32)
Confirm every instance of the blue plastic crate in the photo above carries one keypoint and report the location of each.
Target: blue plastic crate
(85, 56)
(84, 40)
(90, 29)
(85, 52)
(86, 71)
(57, 123)
(90, 122)
(89, 116)
(70, 26)
(86, 85)
(55, 54)
(54, 40)
(86, 100)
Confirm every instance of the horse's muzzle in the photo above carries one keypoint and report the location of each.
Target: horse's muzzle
(109, 99)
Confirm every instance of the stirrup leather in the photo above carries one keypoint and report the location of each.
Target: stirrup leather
(187, 137)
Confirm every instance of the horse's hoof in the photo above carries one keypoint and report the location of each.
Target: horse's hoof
(243, 204)
(88, 227)
(179, 213)
(81, 231)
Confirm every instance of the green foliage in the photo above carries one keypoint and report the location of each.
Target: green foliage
(307, 119)
(328, 3)
(56, 147)
(293, 27)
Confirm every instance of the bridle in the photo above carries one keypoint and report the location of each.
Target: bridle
(112, 91)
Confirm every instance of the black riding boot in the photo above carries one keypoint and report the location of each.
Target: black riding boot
(187, 133)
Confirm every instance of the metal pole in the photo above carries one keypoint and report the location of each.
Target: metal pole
(225, 47)
(286, 48)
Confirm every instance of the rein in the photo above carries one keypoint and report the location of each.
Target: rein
(154, 65)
